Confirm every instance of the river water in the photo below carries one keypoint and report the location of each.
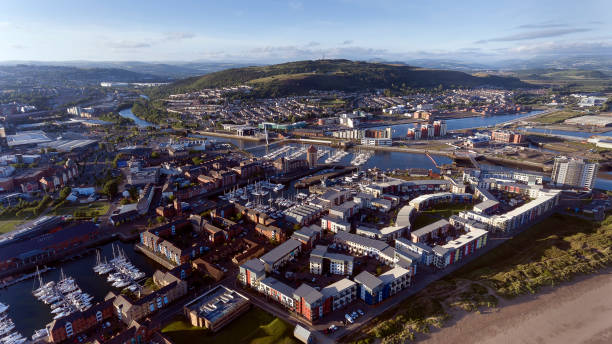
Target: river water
(29, 314)
(127, 113)
(400, 130)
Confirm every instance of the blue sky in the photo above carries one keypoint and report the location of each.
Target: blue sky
(273, 31)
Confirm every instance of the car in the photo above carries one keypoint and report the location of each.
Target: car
(332, 328)
(349, 318)
(360, 311)
(354, 315)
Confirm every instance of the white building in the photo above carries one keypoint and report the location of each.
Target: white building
(574, 172)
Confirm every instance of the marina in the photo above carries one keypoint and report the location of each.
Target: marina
(8, 333)
(121, 272)
(64, 296)
(33, 315)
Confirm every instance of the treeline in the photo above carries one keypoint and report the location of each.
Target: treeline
(150, 111)
(116, 118)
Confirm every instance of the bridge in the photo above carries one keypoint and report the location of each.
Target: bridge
(265, 145)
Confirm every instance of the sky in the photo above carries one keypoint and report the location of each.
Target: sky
(276, 31)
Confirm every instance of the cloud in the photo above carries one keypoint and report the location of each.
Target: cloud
(541, 26)
(18, 46)
(529, 35)
(347, 42)
(129, 45)
(296, 5)
(564, 48)
(148, 43)
(313, 44)
(177, 36)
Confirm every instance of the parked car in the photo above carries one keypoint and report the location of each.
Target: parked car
(360, 311)
(349, 318)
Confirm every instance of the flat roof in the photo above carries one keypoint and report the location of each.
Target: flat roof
(217, 302)
(27, 138)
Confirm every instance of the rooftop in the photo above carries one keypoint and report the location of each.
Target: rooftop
(280, 251)
(368, 280)
(217, 302)
(431, 227)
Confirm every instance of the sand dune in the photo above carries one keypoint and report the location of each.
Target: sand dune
(579, 312)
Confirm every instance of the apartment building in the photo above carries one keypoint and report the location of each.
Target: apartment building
(338, 295)
(281, 254)
(574, 172)
(277, 291)
(321, 262)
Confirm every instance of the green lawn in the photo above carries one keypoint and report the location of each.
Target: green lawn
(9, 225)
(83, 210)
(443, 211)
(255, 327)
(556, 117)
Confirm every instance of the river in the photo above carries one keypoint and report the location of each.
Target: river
(399, 130)
(29, 314)
(127, 113)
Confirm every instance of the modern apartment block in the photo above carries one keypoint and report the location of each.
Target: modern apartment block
(574, 172)
(322, 261)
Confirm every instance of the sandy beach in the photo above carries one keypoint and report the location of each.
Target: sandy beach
(575, 312)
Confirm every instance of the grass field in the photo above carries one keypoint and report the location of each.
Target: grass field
(83, 210)
(429, 216)
(552, 251)
(254, 327)
(8, 225)
(556, 117)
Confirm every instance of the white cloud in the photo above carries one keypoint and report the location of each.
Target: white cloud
(529, 35)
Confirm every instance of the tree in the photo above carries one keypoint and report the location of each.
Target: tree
(65, 192)
(111, 188)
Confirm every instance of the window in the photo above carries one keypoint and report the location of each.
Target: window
(159, 302)
(98, 316)
(151, 306)
(69, 331)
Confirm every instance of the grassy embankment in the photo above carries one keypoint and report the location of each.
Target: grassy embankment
(9, 224)
(556, 117)
(254, 327)
(85, 211)
(553, 251)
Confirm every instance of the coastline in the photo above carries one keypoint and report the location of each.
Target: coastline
(577, 311)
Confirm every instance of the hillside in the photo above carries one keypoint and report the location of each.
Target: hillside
(569, 79)
(23, 75)
(303, 76)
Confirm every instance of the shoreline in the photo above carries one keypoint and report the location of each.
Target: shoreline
(576, 311)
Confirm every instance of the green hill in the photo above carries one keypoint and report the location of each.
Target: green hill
(295, 78)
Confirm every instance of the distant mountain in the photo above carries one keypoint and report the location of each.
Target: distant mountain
(23, 74)
(172, 70)
(300, 77)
